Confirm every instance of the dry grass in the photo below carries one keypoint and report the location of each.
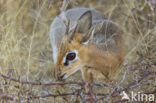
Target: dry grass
(26, 54)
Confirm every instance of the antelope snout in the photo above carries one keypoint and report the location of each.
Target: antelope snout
(60, 75)
(63, 76)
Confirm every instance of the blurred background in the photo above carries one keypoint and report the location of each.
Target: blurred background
(26, 54)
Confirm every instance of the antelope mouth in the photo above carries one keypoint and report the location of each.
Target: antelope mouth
(63, 76)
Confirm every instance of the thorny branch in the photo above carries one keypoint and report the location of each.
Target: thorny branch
(117, 89)
(53, 83)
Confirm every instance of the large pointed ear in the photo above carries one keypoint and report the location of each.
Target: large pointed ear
(91, 32)
(84, 22)
(82, 27)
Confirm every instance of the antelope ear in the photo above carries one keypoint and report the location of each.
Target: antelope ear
(82, 27)
(91, 32)
(84, 22)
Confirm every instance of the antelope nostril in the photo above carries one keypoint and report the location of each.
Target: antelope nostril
(66, 63)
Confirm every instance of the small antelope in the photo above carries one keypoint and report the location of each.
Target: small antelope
(84, 39)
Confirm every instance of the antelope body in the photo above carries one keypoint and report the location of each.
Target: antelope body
(84, 39)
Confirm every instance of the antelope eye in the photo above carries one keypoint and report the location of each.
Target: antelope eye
(71, 56)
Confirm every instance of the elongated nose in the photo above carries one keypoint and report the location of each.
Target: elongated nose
(63, 76)
(60, 76)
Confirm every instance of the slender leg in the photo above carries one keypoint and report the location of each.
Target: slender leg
(88, 77)
(109, 81)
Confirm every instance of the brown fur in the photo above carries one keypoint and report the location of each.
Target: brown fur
(106, 62)
(101, 56)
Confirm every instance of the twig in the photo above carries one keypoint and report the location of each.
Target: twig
(101, 96)
(130, 86)
(54, 83)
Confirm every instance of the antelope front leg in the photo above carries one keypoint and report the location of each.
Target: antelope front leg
(88, 77)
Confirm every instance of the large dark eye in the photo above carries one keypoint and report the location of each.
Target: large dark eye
(71, 56)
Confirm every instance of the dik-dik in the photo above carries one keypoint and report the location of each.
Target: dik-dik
(84, 39)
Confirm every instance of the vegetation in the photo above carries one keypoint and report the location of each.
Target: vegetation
(26, 67)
